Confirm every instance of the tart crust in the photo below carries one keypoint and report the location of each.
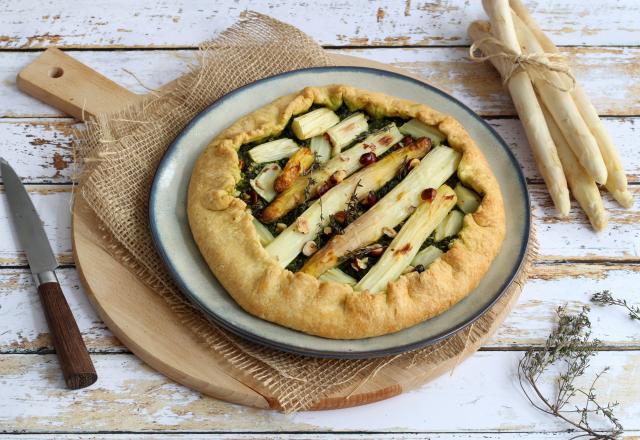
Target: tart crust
(222, 228)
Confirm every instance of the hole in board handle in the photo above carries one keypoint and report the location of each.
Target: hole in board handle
(56, 72)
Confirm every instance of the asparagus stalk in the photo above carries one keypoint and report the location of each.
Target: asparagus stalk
(338, 276)
(314, 123)
(450, 226)
(468, 200)
(347, 161)
(264, 234)
(426, 256)
(346, 131)
(392, 209)
(290, 242)
(582, 186)
(274, 150)
(565, 112)
(616, 178)
(321, 147)
(417, 129)
(264, 181)
(406, 244)
(297, 165)
(524, 98)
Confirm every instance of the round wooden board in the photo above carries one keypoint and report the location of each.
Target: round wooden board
(143, 322)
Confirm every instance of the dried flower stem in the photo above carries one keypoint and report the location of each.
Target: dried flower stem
(605, 298)
(570, 346)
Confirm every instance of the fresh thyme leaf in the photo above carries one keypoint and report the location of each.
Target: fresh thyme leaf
(352, 211)
(605, 298)
(571, 348)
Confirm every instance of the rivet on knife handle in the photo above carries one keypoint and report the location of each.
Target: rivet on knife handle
(75, 362)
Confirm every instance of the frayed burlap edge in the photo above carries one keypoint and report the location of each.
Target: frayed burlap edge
(121, 152)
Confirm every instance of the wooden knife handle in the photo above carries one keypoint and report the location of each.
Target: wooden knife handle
(75, 362)
(66, 84)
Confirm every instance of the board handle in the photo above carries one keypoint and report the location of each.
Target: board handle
(68, 85)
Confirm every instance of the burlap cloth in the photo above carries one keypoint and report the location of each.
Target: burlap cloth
(120, 153)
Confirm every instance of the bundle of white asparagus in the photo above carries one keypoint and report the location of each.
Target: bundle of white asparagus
(569, 142)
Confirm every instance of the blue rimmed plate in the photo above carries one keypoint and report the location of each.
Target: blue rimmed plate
(172, 236)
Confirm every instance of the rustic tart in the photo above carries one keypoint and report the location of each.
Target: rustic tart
(346, 213)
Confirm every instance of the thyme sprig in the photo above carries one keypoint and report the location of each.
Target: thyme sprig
(571, 348)
(605, 298)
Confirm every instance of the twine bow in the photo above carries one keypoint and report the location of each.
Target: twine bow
(538, 65)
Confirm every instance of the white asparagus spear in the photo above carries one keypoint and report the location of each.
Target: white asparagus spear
(616, 178)
(406, 244)
(583, 187)
(564, 111)
(286, 246)
(526, 103)
(434, 169)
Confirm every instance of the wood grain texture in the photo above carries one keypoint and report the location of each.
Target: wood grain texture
(23, 330)
(182, 23)
(560, 239)
(607, 73)
(131, 397)
(629, 435)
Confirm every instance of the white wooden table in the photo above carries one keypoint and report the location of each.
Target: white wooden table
(155, 39)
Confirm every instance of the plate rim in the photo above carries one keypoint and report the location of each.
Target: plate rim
(257, 338)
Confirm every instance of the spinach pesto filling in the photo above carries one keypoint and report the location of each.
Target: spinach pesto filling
(325, 177)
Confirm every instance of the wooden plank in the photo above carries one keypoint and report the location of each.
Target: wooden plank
(131, 397)
(23, 328)
(318, 436)
(41, 149)
(606, 73)
(559, 239)
(183, 23)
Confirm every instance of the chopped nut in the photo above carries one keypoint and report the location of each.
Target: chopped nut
(406, 140)
(281, 227)
(368, 158)
(389, 232)
(340, 217)
(309, 248)
(428, 194)
(377, 251)
(408, 269)
(253, 197)
(371, 199)
(337, 177)
(413, 163)
(241, 164)
(323, 189)
(359, 263)
(327, 230)
(302, 225)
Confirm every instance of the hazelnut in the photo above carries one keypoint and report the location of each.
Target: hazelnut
(406, 140)
(241, 164)
(419, 268)
(371, 199)
(413, 163)
(340, 216)
(281, 227)
(428, 194)
(302, 225)
(368, 158)
(327, 230)
(359, 263)
(389, 232)
(337, 177)
(377, 251)
(323, 189)
(309, 248)
(253, 197)
(424, 142)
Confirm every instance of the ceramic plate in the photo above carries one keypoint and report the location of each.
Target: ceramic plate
(170, 228)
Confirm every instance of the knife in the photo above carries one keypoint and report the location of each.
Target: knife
(75, 362)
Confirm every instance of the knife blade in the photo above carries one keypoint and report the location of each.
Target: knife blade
(76, 365)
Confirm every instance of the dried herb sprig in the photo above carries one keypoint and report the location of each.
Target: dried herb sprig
(605, 298)
(571, 348)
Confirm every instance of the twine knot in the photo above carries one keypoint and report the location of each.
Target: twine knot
(537, 65)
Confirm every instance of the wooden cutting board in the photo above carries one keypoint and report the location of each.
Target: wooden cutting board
(143, 321)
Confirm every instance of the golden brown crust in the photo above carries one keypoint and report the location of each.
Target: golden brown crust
(222, 227)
